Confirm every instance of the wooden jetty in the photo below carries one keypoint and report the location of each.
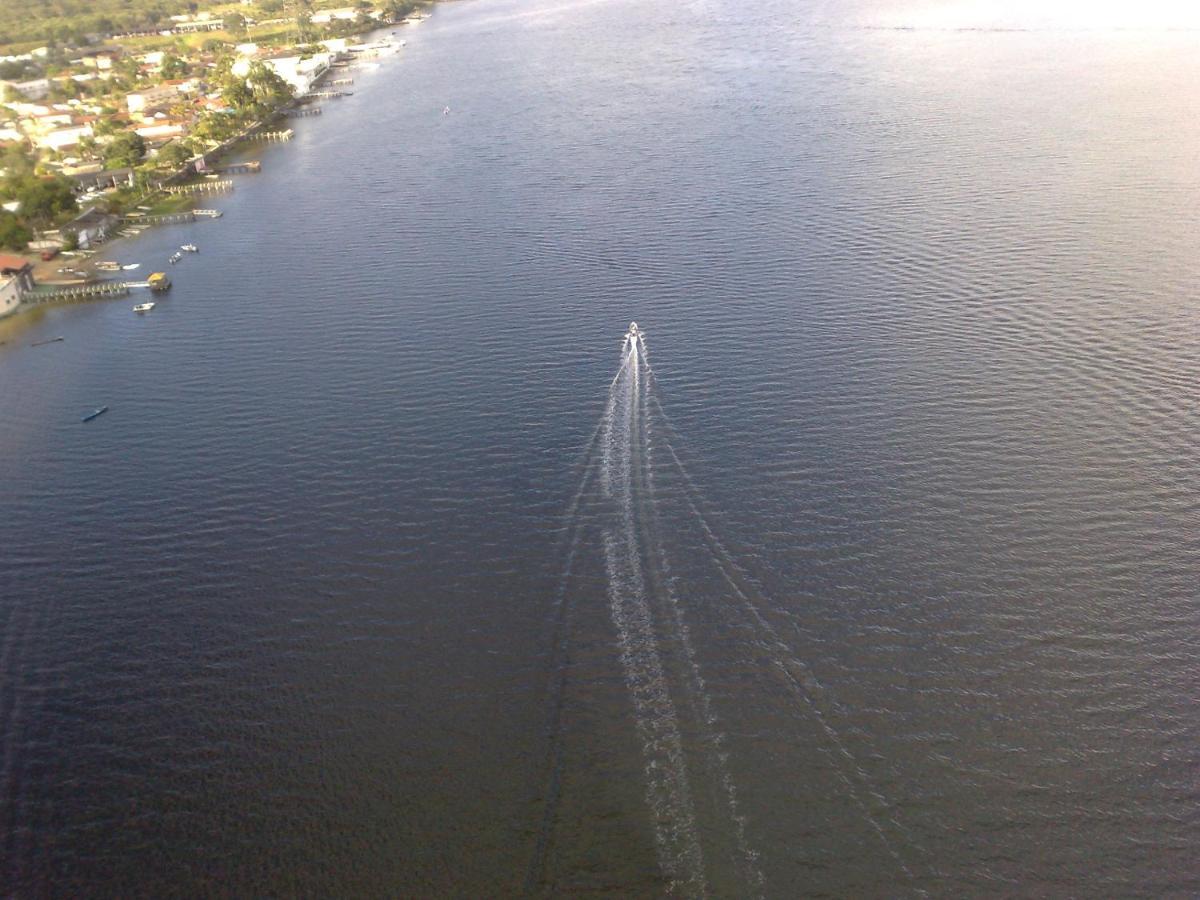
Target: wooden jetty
(303, 111)
(78, 293)
(285, 135)
(203, 187)
(207, 213)
(166, 219)
(338, 81)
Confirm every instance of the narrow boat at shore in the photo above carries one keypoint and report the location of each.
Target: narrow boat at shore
(144, 307)
(175, 257)
(94, 413)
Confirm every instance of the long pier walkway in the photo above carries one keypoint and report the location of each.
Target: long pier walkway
(77, 293)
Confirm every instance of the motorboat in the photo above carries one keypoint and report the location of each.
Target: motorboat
(144, 307)
(189, 248)
(175, 257)
(634, 333)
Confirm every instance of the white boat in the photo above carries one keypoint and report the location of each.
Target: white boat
(189, 248)
(131, 267)
(144, 307)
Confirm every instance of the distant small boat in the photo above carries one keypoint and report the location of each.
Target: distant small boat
(53, 340)
(131, 267)
(144, 307)
(98, 412)
(189, 248)
(175, 257)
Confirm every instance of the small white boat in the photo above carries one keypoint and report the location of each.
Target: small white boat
(131, 267)
(175, 257)
(144, 307)
(189, 248)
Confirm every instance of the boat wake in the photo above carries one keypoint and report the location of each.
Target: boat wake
(700, 828)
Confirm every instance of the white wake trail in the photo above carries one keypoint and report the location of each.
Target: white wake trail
(668, 791)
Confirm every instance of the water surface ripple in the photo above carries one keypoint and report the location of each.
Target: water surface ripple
(905, 548)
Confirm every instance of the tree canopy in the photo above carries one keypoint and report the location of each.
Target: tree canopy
(124, 151)
(44, 199)
(13, 235)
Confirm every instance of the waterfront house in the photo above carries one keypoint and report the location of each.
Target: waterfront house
(16, 277)
(10, 294)
(301, 73)
(91, 227)
(98, 180)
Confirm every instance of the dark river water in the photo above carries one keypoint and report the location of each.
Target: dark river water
(872, 571)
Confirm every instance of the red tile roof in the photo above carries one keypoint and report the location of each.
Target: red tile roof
(10, 262)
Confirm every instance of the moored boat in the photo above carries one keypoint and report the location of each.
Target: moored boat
(96, 412)
(144, 307)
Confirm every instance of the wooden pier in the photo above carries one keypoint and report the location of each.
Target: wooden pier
(285, 135)
(178, 218)
(304, 111)
(338, 81)
(79, 293)
(203, 187)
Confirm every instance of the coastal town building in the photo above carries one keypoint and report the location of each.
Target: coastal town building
(157, 97)
(193, 27)
(10, 294)
(60, 139)
(159, 132)
(299, 72)
(96, 178)
(35, 89)
(91, 227)
(345, 14)
(16, 277)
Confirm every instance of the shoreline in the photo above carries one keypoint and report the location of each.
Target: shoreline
(47, 273)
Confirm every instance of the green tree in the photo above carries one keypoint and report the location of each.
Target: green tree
(236, 93)
(269, 90)
(124, 151)
(173, 66)
(13, 235)
(173, 155)
(45, 199)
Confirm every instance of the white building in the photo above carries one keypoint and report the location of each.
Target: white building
(62, 138)
(16, 277)
(345, 14)
(10, 295)
(30, 90)
(299, 73)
